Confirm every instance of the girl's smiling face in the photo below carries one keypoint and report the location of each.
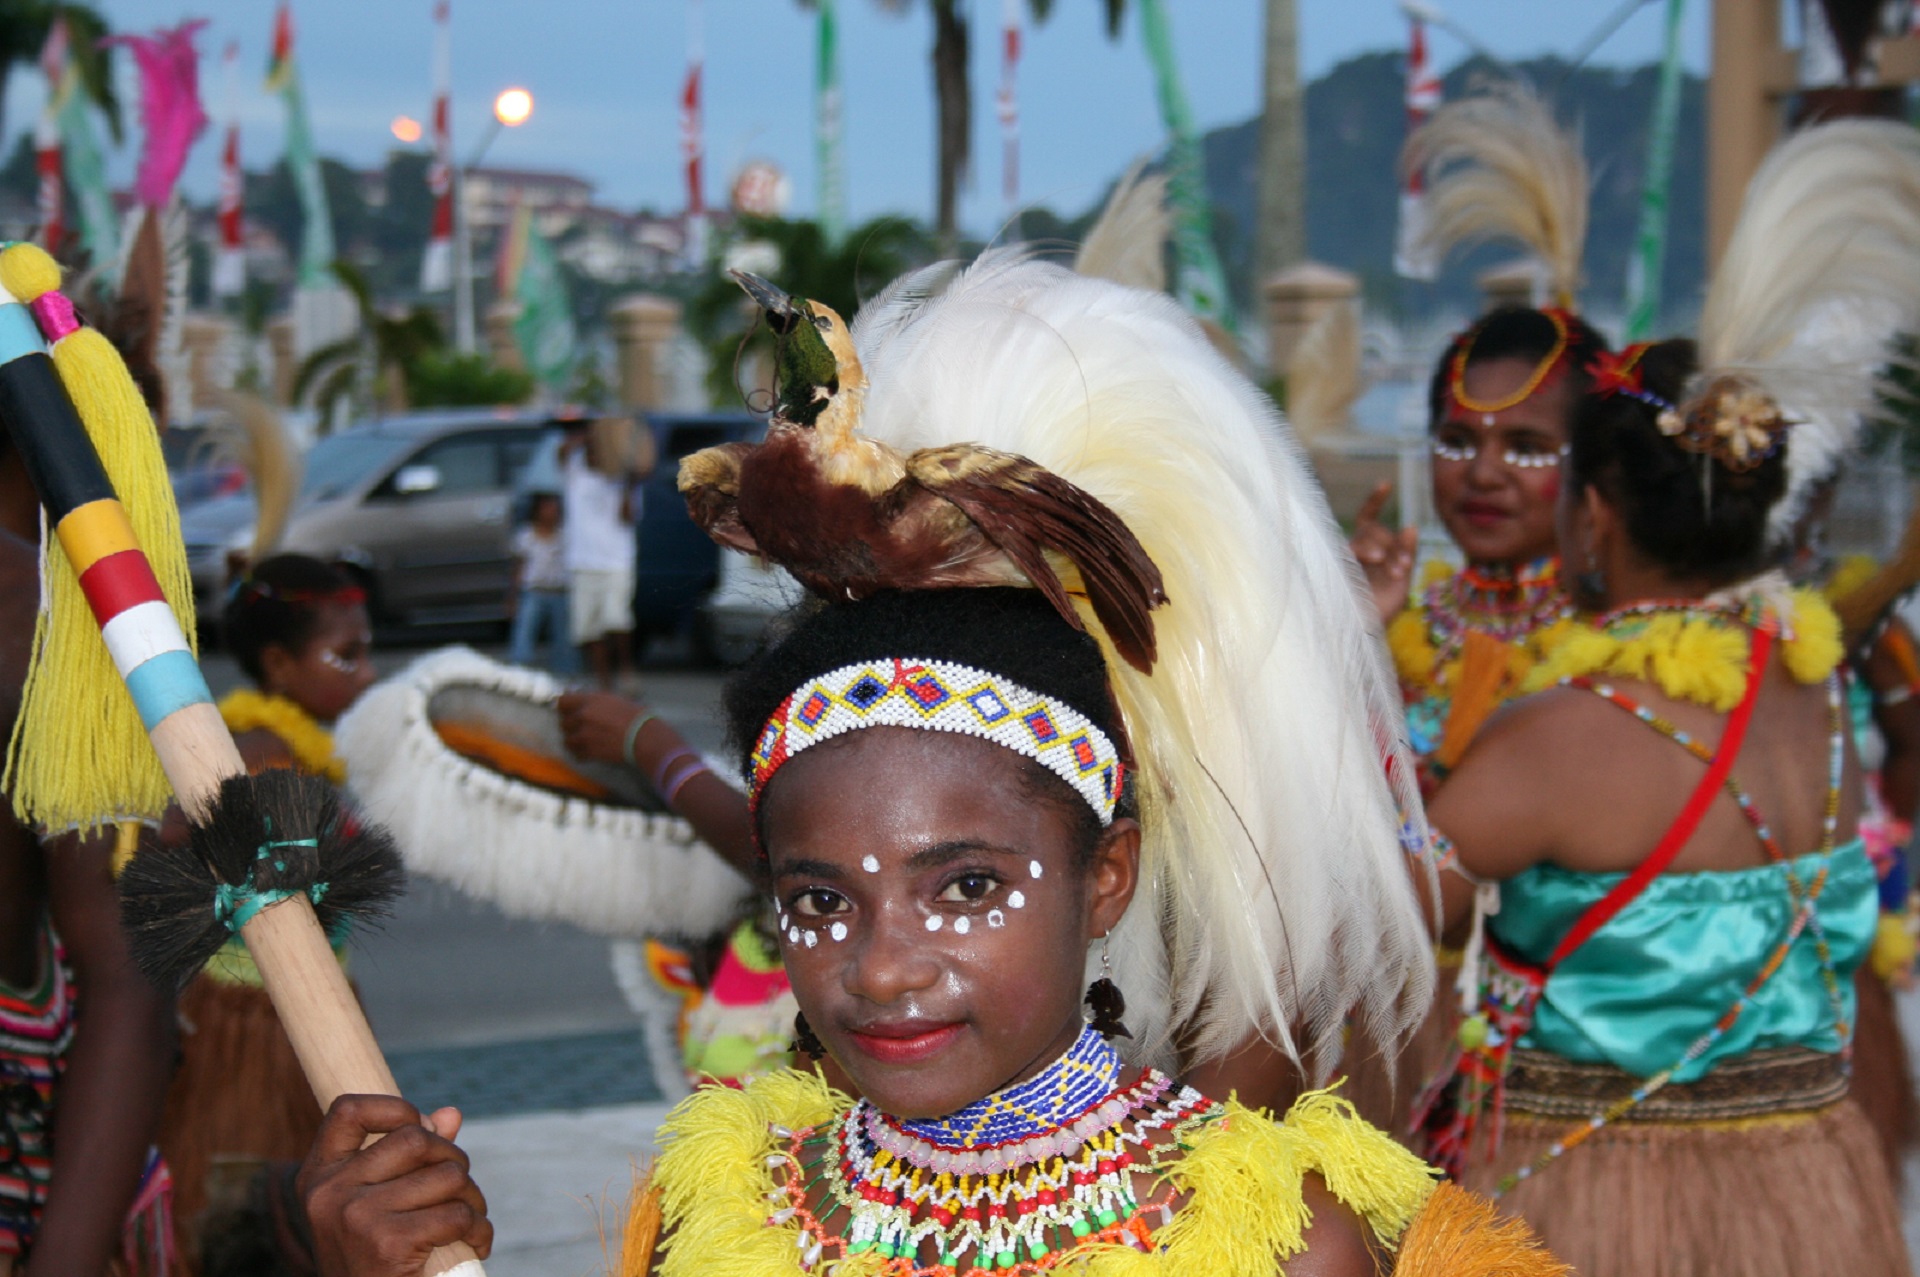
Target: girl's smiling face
(936, 898)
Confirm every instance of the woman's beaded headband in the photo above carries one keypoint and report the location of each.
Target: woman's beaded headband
(1542, 373)
(941, 696)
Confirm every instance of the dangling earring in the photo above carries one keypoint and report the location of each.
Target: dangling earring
(1104, 999)
(804, 1040)
(1593, 582)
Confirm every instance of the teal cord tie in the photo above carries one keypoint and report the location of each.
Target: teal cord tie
(235, 905)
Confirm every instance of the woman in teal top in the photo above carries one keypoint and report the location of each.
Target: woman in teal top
(1655, 867)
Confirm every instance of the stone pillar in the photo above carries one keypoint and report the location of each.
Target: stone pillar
(286, 363)
(1295, 299)
(1517, 283)
(643, 325)
(204, 341)
(503, 344)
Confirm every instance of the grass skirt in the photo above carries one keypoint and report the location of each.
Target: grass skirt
(1883, 1073)
(239, 1093)
(1784, 1196)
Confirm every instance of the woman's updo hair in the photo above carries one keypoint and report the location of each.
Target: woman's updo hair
(1517, 332)
(1009, 631)
(277, 603)
(1691, 514)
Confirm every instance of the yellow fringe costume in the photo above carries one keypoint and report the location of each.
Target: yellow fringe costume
(1244, 1215)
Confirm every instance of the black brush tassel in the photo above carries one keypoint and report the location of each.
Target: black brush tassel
(277, 831)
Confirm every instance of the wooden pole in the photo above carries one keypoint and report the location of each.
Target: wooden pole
(1749, 69)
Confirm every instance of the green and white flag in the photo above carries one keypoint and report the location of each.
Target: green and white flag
(544, 326)
(86, 173)
(828, 128)
(303, 163)
(1200, 283)
(1650, 245)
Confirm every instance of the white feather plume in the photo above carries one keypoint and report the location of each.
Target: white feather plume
(1498, 167)
(1128, 242)
(1274, 891)
(1820, 275)
(532, 852)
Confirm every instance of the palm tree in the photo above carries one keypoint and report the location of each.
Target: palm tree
(953, 96)
(1280, 237)
(371, 363)
(24, 25)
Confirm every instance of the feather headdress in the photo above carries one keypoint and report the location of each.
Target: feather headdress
(1499, 168)
(1820, 276)
(1270, 762)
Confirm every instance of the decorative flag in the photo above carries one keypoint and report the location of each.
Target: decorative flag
(316, 238)
(1650, 245)
(1412, 259)
(86, 170)
(827, 129)
(230, 260)
(51, 201)
(544, 326)
(170, 109)
(692, 141)
(1201, 284)
(436, 266)
(1009, 102)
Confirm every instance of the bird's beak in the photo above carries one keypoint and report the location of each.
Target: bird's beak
(778, 305)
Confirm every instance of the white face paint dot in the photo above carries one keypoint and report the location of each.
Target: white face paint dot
(996, 919)
(933, 923)
(1034, 867)
(961, 925)
(785, 922)
(838, 931)
(812, 938)
(793, 935)
(870, 863)
(1016, 900)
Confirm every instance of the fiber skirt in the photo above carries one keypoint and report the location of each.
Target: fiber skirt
(1883, 1074)
(1776, 1196)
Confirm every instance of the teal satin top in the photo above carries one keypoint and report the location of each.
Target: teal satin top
(1660, 973)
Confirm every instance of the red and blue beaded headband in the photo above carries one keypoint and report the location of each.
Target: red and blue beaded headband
(941, 696)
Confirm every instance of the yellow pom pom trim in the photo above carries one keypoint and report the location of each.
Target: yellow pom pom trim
(1894, 947)
(1241, 1178)
(1700, 659)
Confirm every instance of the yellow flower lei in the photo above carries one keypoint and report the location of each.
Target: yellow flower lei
(1244, 1213)
(246, 710)
(1695, 657)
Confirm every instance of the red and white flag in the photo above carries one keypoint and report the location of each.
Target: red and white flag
(436, 266)
(1009, 101)
(1411, 259)
(51, 198)
(693, 146)
(230, 259)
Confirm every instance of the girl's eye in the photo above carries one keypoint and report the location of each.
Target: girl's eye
(968, 888)
(818, 903)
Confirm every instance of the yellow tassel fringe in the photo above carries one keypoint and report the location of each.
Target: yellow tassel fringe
(1242, 1178)
(79, 756)
(1698, 660)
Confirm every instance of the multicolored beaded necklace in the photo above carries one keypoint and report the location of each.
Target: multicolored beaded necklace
(1505, 603)
(1805, 897)
(1012, 1183)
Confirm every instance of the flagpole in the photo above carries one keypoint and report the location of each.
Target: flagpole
(436, 265)
(1411, 259)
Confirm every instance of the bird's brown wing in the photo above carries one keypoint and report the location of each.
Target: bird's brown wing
(710, 481)
(1025, 509)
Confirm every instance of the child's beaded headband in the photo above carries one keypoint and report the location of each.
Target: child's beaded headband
(1730, 420)
(345, 595)
(941, 696)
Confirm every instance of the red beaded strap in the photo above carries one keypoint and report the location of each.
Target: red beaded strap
(1602, 911)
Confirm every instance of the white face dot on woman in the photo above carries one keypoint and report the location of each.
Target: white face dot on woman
(936, 993)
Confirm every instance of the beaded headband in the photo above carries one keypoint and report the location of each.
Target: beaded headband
(941, 696)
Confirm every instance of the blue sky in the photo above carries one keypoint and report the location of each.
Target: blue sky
(605, 75)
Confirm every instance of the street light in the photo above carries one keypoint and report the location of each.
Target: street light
(406, 129)
(511, 108)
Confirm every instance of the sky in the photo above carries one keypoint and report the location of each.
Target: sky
(606, 74)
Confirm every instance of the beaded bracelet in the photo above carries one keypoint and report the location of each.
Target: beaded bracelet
(633, 736)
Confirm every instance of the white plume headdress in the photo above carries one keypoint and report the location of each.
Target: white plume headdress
(1272, 771)
(1820, 278)
(1499, 168)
